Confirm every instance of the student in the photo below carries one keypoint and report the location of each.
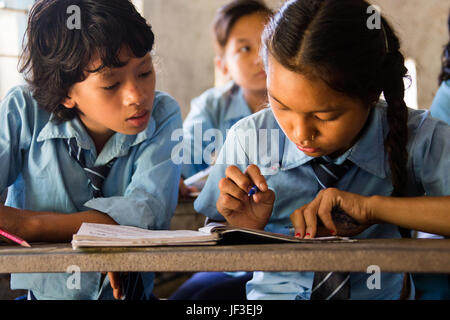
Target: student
(237, 30)
(440, 108)
(326, 70)
(90, 101)
(437, 286)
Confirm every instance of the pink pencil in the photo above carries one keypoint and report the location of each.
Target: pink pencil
(14, 238)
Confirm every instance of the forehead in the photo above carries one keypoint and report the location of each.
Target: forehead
(126, 58)
(300, 93)
(248, 27)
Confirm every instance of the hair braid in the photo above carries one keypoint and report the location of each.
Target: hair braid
(397, 113)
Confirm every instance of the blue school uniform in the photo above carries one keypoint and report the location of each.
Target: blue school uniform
(217, 108)
(141, 189)
(292, 178)
(440, 108)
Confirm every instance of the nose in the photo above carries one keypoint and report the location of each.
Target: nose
(134, 95)
(304, 131)
(257, 58)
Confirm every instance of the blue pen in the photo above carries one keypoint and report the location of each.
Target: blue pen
(253, 190)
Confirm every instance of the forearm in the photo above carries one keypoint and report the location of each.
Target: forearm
(40, 226)
(428, 214)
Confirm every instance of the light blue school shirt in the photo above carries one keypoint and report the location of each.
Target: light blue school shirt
(440, 108)
(293, 181)
(217, 108)
(141, 189)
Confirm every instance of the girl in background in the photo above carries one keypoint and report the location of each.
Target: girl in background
(237, 30)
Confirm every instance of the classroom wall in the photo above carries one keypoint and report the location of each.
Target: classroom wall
(185, 54)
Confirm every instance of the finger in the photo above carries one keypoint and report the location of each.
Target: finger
(240, 179)
(256, 177)
(324, 211)
(267, 197)
(114, 279)
(227, 204)
(310, 214)
(228, 187)
(298, 221)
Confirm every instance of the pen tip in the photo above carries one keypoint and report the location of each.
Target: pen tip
(25, 244)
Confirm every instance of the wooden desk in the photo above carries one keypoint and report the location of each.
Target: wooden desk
(391, 255)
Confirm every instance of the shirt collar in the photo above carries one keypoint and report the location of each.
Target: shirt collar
(118, 145)
(368, 152)
(236, 106)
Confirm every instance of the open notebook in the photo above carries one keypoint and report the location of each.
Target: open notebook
(104, 235)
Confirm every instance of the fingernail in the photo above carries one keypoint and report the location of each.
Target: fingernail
(333, 233)
(307, 235)
(298, 235)
(262, 186)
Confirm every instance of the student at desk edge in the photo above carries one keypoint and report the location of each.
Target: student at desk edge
(437, 286)
(90, 94)
(326, 70)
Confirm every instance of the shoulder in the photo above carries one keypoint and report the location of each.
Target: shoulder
(428, 136)
(19, 97)
(164, 107)
(20, 102)
(213, 98)
(263, 119)
(440, 108)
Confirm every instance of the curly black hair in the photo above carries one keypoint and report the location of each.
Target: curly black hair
(57, 56)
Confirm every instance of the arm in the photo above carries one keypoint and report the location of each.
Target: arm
(36, 226)
(428, 214)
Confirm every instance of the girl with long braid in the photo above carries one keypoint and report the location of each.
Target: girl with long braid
(349, 163)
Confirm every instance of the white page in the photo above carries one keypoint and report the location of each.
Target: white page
(126, 232)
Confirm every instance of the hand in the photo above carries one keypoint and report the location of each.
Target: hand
(115, 281)
(340, 213)
(12, 221)
(185, 190)
(234, 203)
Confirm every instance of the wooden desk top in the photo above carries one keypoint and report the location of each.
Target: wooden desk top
(391, 255)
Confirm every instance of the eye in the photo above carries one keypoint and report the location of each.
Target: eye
(110, 88)
(324, 119)
(146, 74)
(244, 49)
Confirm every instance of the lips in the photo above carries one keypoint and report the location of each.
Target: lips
(138, 114)
(139, 119)
(307, 150)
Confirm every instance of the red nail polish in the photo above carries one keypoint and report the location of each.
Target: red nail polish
(308, 234)
(298, 235)
(333, 233)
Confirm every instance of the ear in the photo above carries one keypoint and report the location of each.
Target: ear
(221, 65)
(68, 102)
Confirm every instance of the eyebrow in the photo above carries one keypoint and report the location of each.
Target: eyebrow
(326, 109)
(108, 73)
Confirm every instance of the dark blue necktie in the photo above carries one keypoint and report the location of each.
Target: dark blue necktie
(96, 174)
(330, 285)
(132, 284)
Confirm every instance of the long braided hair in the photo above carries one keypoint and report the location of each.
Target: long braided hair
(331, 40)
